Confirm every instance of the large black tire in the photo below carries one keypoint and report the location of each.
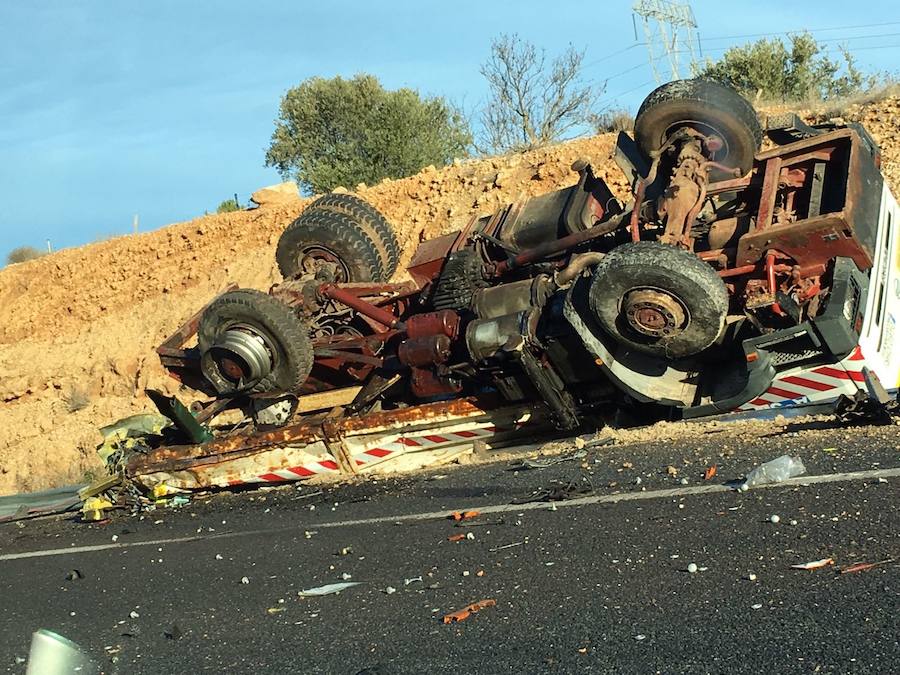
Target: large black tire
(686, 283)
(334, 237)
(369, 219)
(708, 107)
(285, 336)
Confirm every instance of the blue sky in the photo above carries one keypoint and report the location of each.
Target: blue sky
(164, 108)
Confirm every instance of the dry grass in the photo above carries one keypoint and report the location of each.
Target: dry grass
(76, 398)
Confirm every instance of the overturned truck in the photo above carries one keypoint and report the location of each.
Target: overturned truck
(732, 279)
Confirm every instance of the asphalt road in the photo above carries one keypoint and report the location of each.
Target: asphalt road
(579, 587)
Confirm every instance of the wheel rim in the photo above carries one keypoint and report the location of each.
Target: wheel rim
(242, 355)
(655, 313)
(312, 257)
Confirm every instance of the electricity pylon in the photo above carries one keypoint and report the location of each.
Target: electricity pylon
(670, 30)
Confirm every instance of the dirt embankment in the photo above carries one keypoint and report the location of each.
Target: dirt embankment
(78, 328)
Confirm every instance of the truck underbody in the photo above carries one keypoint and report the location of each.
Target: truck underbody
(733, 279)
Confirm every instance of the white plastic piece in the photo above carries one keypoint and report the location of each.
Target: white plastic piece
(775, 471)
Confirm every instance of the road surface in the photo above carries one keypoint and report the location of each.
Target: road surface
(594, 584)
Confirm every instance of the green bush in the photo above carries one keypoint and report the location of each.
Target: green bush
(770, 70)
(344, 132)
(228, 206)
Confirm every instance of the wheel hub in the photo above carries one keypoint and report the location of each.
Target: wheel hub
(241, 355)
(654, 313)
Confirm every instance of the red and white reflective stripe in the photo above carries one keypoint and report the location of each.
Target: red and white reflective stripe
(281, 475)
(819, 383)
(424, 441)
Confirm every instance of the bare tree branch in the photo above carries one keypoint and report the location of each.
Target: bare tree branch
(530, 104)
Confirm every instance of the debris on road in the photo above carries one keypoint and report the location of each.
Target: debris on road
(463, 515)
(327, 589)
(74, 575)
(775, 518)
(456, 537)
(547, 462)
(556, 493)
(710, 472)
(775, 471)
(692, 568)
(463, 614)
(814, 565)
(863, 566)
(505, 546)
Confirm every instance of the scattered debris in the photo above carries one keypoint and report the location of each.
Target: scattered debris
(134, 615)
(245, 580)
(500, 548)
(863, 566)
(74, 575)
(482, 523)
(464, 515)
(775, 471)
(463, 614)
(275, 610)
(751, 577)
(347, 550)
(390, 590)
(346, 576)
(710, 472)
(556, 493)
(692, 568)
(327, 589)
(94, 507)
(547, 462)
(775, 518)
(456, 537)
(814, 565)
(407, 582)
(873, 406)
(758, 605)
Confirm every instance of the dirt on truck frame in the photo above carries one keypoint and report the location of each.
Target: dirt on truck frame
(733, 279)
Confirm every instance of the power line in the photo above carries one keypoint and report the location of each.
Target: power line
(787, 32)
(802, 30)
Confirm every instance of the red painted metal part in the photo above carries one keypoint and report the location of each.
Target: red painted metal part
(770, 276)
(445, 322)
(347, 298)
(424, 351)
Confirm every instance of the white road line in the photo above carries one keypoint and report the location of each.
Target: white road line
(801, 481)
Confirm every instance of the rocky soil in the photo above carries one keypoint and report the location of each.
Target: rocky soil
(78, 328)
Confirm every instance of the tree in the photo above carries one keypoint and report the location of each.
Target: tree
(228, 206)
(769, 70)
(533, 102)
(343, 132)
(23, 254)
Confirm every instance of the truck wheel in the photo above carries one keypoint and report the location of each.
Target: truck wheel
(708, 107)
(328, 236)
(368, 218)
(658, 299)
(252, 343)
